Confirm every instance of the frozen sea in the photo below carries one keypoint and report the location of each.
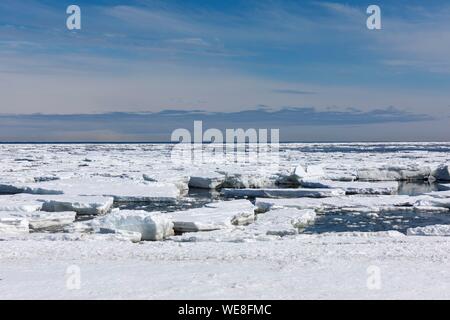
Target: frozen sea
(278, 226)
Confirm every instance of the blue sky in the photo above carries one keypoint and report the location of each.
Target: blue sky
(228, 57)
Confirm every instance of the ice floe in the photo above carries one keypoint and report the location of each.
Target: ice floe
(344, 203)
(434, 230)
(442, 172)
(206, 180)
(122, 190)
(41, 220)
(32, 188)
(282, 193)
(354, 187)
(213, 216)
(19, 203)
(50, 221)
(282, 222)
(151, 226)
(13, 225)
(444, 186)
(395, 173)
(82, 205)
(311, 172)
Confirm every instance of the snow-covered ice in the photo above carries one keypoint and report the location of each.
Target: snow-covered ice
(213, 216)
(206, 180)
(122, 190)
(444, 186)
(151, 226)
(434, 230)
(17, 203)
(395, 173)
(13, 225)
(442, 172)
(50, 221)
(283, 193)
(353, 187)
(81, 204)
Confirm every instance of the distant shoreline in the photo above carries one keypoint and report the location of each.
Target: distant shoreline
(168, 142)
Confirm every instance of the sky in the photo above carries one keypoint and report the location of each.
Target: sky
(139, 69)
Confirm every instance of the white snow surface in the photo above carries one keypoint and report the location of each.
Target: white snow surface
(304, 267)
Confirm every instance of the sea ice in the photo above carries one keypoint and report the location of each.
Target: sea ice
(443, 187)
(13, 225)
(395, 173)
(282, 193)
(206, 180)
(352, 202)
(434, 230)
(311, 171)
(19, 203)
(151, 225)
(272, 225)
(238, 179)
(132, 236)
(180, 181)
(82, 205)
(354, 187)
(122, 190)
(442, 173)
(50, 220)
(283, 222)
(215, 215)
(15, 188)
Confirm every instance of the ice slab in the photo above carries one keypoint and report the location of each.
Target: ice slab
(354, 187)
(151, 225)
(434, 230)
(282, 222)
(248, 180)
(17, 187)
(206, 180)
(432, 201)
(82, 205)
(50, 221)
(311, 171)
(213, 216)
(395, 173)
(443, 187)
(282, 193)
(14, 225)
(344, 203)
(125, 234)
(41, 220)
(19, 203)
(442, 172)
(272, 225)
(122, 190)
(179, 180)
